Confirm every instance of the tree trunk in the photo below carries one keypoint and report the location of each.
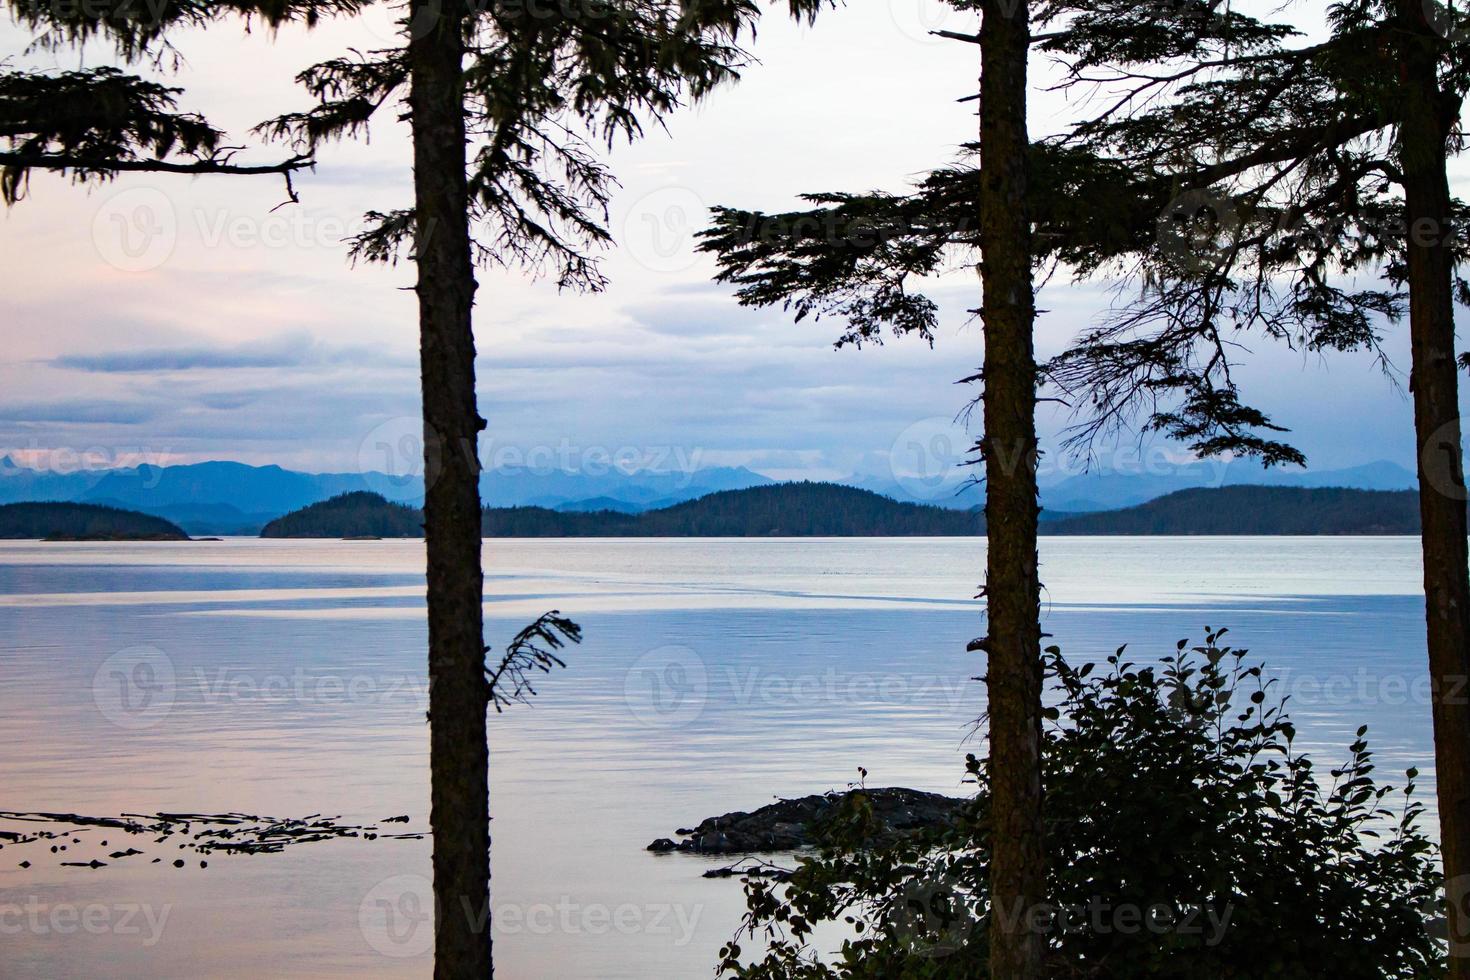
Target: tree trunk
(1442, 494)
(1012, 584)
(459, 757)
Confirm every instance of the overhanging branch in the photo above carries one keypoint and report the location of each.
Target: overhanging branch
(63, 161)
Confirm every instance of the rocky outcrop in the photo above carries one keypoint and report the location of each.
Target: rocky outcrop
(788, 825)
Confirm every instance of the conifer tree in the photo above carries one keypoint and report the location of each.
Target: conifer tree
(508, 103)
(1245, 180)
(853, 257)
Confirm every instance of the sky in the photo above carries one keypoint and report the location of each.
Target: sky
(175, 319)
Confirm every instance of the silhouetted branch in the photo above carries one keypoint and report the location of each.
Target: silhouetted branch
(532, 650)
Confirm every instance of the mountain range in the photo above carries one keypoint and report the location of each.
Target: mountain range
(1115, 488)
(833, 510)
(235, 498)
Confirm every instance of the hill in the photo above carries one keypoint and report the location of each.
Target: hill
(833, 510)
(221, 497)
(350, 515)
(1257, 510)
(1112, 490)
(83, 522)
(778, 510)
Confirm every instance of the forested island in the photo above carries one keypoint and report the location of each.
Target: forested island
(780, 510)
(832, 510)
(1256, 510)
(359, 514)
(83, 522)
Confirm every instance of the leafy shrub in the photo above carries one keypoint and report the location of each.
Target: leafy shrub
(1186, 837)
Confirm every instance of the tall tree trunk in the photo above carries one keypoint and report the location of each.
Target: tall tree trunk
(1012, 584)
(459, 757)
(1442, 494)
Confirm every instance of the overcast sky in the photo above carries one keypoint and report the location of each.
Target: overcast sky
(182, 319)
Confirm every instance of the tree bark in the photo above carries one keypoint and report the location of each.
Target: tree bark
(1442, 495)
(459, 757)
(1012, 583)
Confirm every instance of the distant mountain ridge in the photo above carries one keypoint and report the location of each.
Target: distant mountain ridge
(833, 510)
(1111, 490)
(224, 497)
(1115, 488)
(240, 499)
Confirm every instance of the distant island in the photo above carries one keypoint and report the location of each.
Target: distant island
(779, 510)
(1256, 510)
(833, 510)
(83, 522)
(359, 514)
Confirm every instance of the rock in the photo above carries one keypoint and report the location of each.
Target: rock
(791, 824)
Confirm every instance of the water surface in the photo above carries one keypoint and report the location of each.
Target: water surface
(286, 678)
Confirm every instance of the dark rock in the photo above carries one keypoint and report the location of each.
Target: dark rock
(791, 824)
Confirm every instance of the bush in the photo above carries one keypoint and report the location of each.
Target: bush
(1186, 837)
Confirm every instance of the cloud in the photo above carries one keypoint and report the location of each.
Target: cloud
(293, 350)
(106, 412)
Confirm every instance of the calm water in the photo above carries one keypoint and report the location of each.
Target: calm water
(286, 678)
